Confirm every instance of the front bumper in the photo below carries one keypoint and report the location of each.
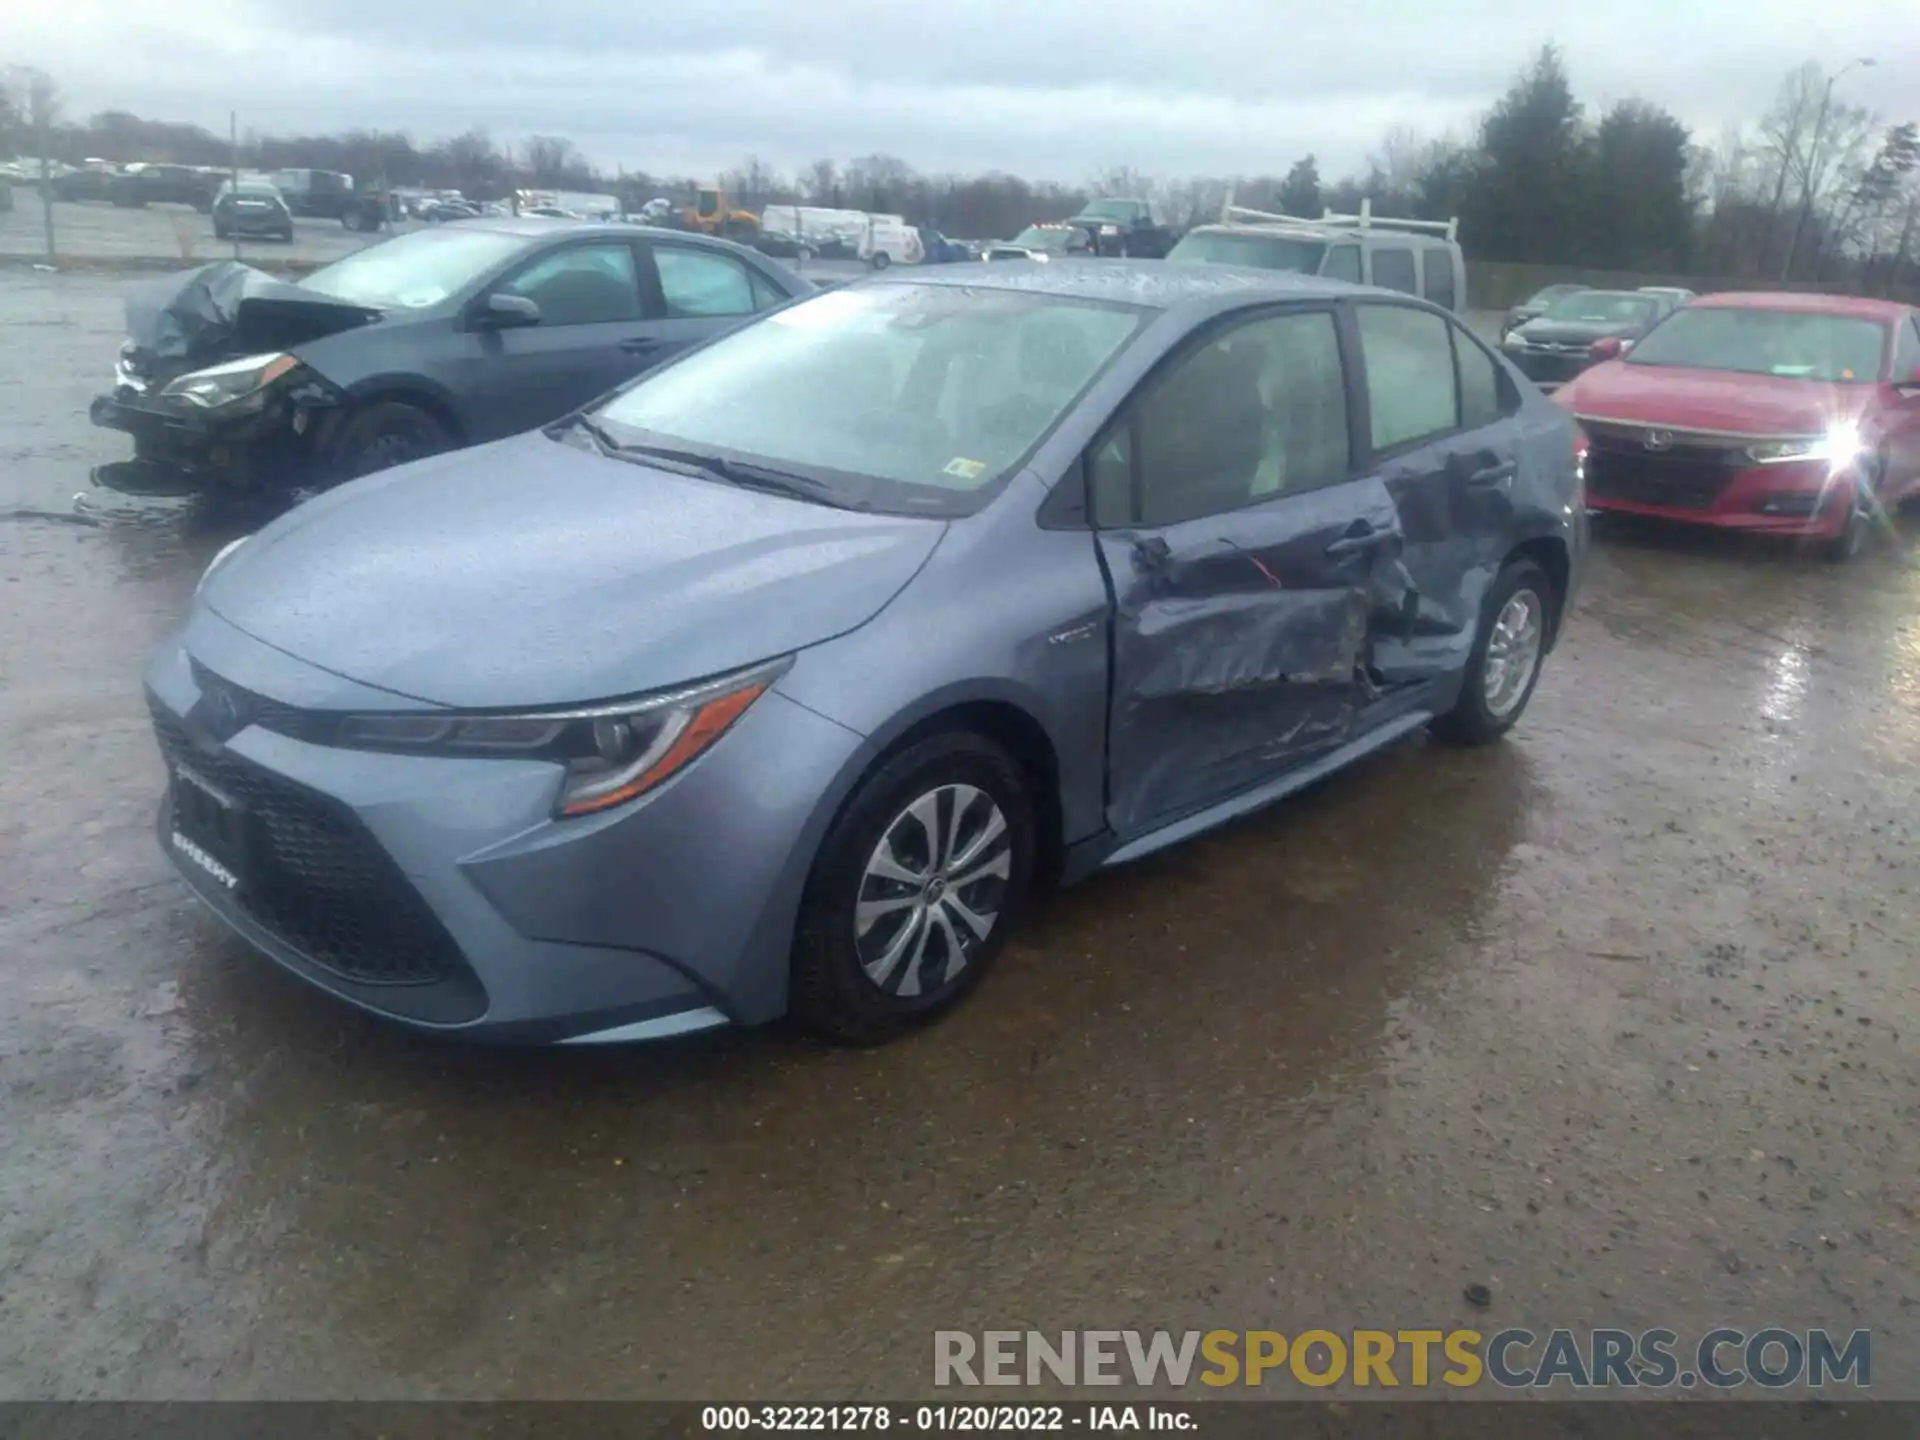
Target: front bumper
(1803, 500)
(274, 443)
(1549, 369)
(440, 894)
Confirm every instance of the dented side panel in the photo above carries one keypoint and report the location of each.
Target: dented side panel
(1241, 644)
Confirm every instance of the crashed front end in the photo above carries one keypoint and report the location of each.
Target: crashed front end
(211, 388)
(247, 423)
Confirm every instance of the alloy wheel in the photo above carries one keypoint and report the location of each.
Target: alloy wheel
(932, 890)
(1513, 652)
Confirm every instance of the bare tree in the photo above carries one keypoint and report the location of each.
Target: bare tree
(820, 183)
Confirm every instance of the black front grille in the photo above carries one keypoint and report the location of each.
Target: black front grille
(318, 880)
(1551, 366)
(1688, 474)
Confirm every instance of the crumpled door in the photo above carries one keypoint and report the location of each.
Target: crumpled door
(1241, 643)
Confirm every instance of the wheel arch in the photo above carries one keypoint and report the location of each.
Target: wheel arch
(1000, 714)
(408, 390)
(1550, 553)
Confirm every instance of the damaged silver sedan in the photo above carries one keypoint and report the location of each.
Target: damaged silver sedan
(773, 682)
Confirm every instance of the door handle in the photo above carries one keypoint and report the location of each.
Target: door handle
(639, 345)
(1487, 470)
(1362, 538)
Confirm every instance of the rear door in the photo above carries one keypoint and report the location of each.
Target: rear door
(1241, 550)
(593, 333)
(696, 292)
(1440, 442)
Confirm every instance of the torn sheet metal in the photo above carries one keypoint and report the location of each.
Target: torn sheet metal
(230, 309)
(1232, 642)
(1215, 691)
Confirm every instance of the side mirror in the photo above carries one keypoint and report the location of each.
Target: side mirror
(507, 312)
(1610, 347)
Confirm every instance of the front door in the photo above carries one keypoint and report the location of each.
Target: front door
(1440, 442)
(698, 292)
(593, 332)
(1244, 559)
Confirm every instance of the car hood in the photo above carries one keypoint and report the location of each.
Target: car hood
(227, 308)
(1576, 332)
(1685, 399)
(530, 573)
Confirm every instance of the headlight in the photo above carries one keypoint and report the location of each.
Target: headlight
(214, 564)
(611, 753)
(1839, 447)
(235, 380)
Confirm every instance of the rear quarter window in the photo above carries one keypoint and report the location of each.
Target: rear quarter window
(1393, 269)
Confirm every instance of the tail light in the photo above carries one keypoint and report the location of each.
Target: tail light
(1582, 448)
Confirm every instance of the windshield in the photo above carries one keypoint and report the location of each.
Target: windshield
(1543, 298)
(252, 192)
(1049, 237)
(417, 270)
(911, 398)
(1263, 252)
(1601, 307)
(1797, 345)
(1110, 210)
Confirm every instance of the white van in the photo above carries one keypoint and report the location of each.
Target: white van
(889, 240)
(1417, 257)
(880, 240)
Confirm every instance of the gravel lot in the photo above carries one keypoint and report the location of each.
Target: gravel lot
(1618, 1019)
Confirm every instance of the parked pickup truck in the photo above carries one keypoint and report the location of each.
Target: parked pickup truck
(1126, 227)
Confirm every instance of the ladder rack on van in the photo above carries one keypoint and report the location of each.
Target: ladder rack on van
(1364, 221)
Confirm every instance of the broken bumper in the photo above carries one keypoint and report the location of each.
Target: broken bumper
(185, 448)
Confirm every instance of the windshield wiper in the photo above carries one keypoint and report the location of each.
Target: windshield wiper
(592, 429)
(746, 476)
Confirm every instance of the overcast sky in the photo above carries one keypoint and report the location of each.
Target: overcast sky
(1055, 89)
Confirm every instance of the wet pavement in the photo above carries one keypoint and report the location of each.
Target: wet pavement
(1618, 1019)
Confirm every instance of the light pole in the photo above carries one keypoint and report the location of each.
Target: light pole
(1813, 159)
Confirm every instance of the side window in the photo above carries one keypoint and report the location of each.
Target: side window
(1342, 263)
(765, 295)
(1481, 402)
(1906, 350)
(1110, 479)
(1410, 382)
(582, 285)
(702, 284)
(1258, 411)
(1436, 275)
(1393, 269)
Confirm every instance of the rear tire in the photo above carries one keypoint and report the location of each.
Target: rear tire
(881, 260)
(936, 841)
(1516, 621)
(384, 434)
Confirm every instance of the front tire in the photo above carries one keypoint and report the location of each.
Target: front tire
(881, 260)
(385, 434)
(1502, 670)
(913, 890)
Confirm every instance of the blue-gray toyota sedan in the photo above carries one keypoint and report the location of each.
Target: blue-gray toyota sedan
(776, 681)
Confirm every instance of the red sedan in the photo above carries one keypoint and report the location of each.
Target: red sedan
(1793, 415)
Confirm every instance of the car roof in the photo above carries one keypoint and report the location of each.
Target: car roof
(1857, 306)
(1381, 231)
(1611, 294)
(542, 227)
(1151, 284)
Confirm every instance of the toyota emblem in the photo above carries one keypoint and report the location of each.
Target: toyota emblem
(221, 712)
(1659, 440)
